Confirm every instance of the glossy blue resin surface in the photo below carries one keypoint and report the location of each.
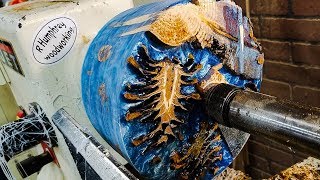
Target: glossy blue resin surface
(108, 116)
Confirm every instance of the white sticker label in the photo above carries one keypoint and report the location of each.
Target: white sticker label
(54, 40)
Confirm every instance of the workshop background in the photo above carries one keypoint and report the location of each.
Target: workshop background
(289, 31)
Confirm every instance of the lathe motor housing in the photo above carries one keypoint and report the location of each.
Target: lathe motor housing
(42, 48)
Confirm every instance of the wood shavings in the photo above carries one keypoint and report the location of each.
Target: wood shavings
(231, 174)
(309, 169)
(188, 22)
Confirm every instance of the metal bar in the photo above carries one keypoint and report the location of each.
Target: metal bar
(248, 8)
(287, 122)
(95, 154)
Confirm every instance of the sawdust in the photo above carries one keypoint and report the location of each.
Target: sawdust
(309, 169)
(231, 174)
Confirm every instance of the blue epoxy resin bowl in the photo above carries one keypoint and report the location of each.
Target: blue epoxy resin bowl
(141, 79)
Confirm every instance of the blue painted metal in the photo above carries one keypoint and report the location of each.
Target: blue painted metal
(108, 78)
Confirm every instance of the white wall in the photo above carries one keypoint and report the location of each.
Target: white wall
(141, 2)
